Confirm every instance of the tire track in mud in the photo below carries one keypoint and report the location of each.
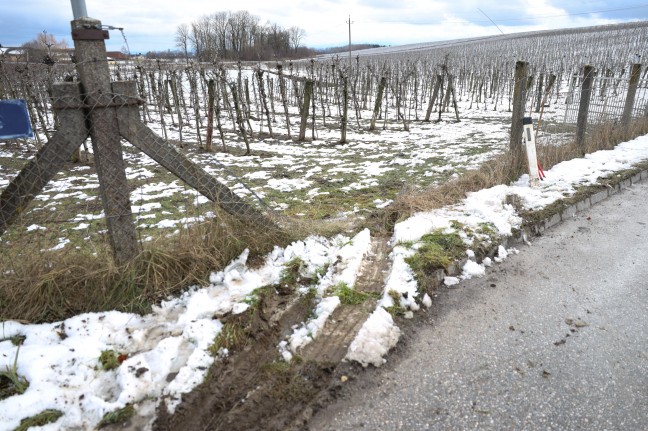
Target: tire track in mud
(253, 389)
(344, 323)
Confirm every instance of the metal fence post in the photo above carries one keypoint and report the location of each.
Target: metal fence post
(583, 108)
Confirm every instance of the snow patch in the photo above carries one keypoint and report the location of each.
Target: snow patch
(376, 337)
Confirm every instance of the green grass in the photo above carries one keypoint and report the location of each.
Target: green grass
(291, 276)
(231, 337)
(41, 419)
(256, 296)
(118, 416)
(397, 309)
(11, 383)
(108, 360)
(350, 296)
(437, 251)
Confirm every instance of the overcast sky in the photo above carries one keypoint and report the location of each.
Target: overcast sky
(151, 24)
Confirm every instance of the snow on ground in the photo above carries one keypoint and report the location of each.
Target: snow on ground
(376, 337)
(485, 206)
(165, 353)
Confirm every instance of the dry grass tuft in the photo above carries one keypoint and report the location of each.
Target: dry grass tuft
(502, 170)
(66, 284)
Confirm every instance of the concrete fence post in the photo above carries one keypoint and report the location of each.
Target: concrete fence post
(630, 98)
(91, 64)
(583, 108)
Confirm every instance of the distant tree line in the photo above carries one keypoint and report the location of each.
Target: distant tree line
(238, 36)
(168, 54)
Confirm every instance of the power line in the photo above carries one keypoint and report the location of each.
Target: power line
(526, 19)
(491, 20)
(574, 14)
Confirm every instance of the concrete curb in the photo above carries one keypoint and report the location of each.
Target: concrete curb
(538, 227)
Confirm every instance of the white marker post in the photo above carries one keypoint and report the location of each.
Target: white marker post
(529, 139)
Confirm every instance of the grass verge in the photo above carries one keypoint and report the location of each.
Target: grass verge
(68, 283)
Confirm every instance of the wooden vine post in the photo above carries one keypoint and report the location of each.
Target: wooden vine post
(345, 110)
(583, 107)
(517, 127)
(379, 98)
(282, 93)
(308, 93)
(210, 114)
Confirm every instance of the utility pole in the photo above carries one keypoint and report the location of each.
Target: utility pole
(350, 22)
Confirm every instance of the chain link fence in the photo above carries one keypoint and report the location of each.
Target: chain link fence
(153, 160)
(105, 177)
(606, 105)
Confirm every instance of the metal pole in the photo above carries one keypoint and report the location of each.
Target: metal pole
(79, 9)
(349, 22)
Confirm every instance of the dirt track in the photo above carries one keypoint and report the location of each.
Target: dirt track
(252, 389)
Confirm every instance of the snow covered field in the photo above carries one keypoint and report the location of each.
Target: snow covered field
(165, 354)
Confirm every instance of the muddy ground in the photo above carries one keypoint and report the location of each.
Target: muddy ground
(253, 389)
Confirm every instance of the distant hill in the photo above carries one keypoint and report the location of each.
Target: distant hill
(345, 48)
(426, 46)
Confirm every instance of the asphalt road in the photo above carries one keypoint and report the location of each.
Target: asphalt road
(555, 337)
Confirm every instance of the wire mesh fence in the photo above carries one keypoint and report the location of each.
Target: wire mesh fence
(607, 100)
(48, 203)
(189, 141)
(606, 105)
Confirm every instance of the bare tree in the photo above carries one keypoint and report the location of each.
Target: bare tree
(219, 27)
(238, 35)
(182, 39)
(295, 36)
(40, 48)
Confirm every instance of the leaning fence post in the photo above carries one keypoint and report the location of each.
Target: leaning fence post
(630, 98)
(519, 99)
(583, 108)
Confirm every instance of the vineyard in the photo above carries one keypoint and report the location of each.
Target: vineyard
(324, 141)
(232, 238)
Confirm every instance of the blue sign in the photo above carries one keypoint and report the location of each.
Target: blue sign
(14, 120)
